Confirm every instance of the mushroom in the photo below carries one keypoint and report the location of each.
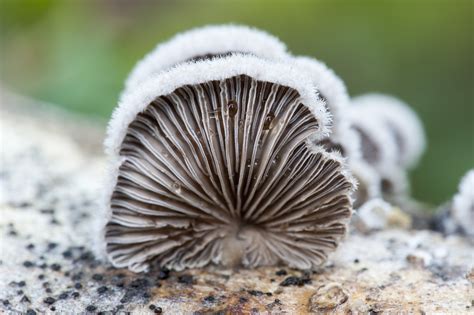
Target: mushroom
(392, 140)
(457, 216)
(206, 43)
(402, 122)
(377, 162)
(463, 204)
(215, 162)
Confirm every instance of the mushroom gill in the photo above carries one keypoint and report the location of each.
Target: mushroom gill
(222, 171)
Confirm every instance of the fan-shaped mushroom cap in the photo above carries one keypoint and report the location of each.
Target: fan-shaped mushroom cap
(213, 164)
(462, 210)
(206, 42)
(333, 90)
(402, 122)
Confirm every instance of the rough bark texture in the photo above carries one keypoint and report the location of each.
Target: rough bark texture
(50, 183)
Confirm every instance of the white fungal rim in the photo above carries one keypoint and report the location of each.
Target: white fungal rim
(404, 119)
(212, 39)
(332, 87)
(328, 83)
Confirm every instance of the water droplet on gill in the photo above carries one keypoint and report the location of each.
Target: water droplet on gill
(241, 123)
(259, 143)
(249, 163)
(176, 187)
(232, 108)
(256, 162)
(268, 122)
(276, 159)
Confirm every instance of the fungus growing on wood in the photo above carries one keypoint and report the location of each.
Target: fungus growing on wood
(206, 43)
(214, 162)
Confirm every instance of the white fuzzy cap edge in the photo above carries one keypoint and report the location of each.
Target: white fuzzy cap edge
(212, 39)
(332, 87)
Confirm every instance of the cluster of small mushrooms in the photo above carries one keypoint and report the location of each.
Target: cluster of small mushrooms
(226, 149)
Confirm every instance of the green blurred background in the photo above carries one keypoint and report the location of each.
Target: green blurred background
(77, 54)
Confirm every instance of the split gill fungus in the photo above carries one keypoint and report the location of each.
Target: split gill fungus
(216, 162)
(225, 149)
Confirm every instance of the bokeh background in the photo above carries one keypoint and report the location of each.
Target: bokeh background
(77, 53)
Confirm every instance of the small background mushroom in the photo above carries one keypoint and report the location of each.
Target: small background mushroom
(392, 141)
(457, 216)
